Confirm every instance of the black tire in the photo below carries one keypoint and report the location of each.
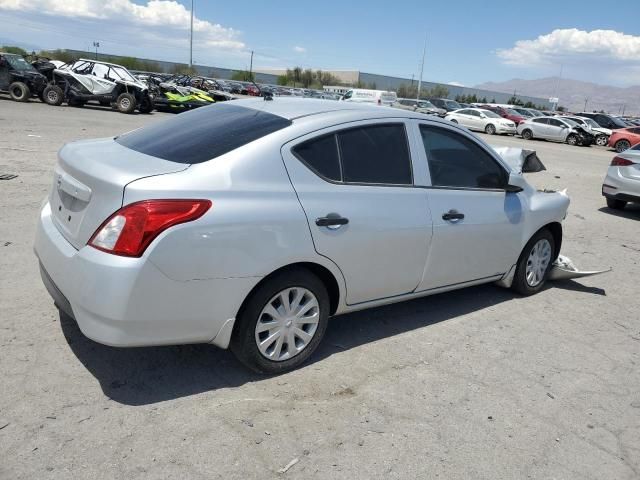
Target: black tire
(622, 145)
(520, 283)
(19, 92)
(146, 105)
(243, 340)
(616, 204)
(53, 95)
(572, 139)
(490, 129)
(527, 134)
(126, 103)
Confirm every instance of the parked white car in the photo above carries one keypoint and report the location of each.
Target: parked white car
(622, 182)
(377, 97)
(557, 129)
(247, 224)
(602, 134)
(482, 120)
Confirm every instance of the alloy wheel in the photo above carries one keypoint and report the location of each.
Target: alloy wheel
(601, 140)
(287, 324)
(622, 145)
(538, 262)
(52, 96)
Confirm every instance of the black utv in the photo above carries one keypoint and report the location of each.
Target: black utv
(19, 78)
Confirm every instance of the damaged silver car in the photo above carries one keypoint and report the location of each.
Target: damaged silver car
(247, 224)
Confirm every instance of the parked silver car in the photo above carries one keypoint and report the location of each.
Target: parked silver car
(622, 182)
(555, 129)
(420, 106)
(248, 223)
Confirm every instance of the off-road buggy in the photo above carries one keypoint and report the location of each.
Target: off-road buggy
(19, 78)
(91, 80)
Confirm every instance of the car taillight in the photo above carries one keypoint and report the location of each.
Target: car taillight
(130, 230)
(621, 162)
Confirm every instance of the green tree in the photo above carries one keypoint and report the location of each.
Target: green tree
(439, 91)
(61, 55)
(561, 109)
(283, 80)
(12, 49)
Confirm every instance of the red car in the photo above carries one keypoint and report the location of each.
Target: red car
(507, 113)
(624, 138)
(252, 90)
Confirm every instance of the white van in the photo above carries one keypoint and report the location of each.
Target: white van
(379, 97)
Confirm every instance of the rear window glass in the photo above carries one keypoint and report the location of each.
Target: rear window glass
(203, 134)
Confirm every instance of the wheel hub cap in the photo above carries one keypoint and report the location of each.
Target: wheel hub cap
(538, 262)
(287, 324)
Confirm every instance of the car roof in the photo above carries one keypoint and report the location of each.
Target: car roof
(293, 108)
(7, 54)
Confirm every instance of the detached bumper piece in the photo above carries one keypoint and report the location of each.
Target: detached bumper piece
(564, 269)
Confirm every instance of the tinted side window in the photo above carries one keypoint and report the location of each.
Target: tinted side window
(375, 154)
(555, 123)
(321, 155)
(456, 161)
(544, 121)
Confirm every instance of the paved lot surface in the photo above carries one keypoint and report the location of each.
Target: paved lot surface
(477, 383)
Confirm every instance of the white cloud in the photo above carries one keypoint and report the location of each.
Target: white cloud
(166, 14)
(298, 49)
(455, 84)
(571, 43)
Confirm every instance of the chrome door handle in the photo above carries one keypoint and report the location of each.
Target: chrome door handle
(452, 216)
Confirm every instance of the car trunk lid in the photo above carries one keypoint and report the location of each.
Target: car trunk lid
(89, 182)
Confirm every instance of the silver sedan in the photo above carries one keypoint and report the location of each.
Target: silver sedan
(247, 224)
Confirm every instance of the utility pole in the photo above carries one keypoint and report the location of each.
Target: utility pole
(97, 45)
(585, 104)
(424, 52)
(191, 39)
(251, 67)
(555, 93)
(624, 107)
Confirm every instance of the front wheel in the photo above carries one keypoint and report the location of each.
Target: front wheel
(616, 204)
(126, 103)
(490, 129)
(146, 105)
(526, 134)
(601, 140)
(282, 322)
(534, 263)
(19, 92)
(53, 95)
(622, 145)
(572, 139)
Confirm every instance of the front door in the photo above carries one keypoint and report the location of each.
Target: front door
(355, 184)
(477, 225)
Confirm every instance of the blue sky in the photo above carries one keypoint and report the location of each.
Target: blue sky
(468, 42)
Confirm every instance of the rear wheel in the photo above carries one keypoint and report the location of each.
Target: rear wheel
(534, 263)
(490, 129)
(601, 140)
(622, 145)
(53, 95)
(572, 139)
(19, 92)
(282, 322)
(527, 134)
(146, 105)
(126, 103)
(616, 204)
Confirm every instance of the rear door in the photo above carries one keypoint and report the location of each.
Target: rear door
(540, 127)
(355, 184)
(477, 226)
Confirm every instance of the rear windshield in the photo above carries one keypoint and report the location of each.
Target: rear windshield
(203, 134)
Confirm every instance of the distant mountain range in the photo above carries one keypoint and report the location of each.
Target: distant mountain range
(572, 93)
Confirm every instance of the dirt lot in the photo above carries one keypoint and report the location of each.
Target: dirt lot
(477, 383)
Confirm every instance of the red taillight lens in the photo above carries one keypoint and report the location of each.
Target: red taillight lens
(621, 162)
(130, 230)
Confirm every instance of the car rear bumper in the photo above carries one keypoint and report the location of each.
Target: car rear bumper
(129, 302)
(619, 187)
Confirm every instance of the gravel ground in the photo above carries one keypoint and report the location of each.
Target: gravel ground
(477, 383)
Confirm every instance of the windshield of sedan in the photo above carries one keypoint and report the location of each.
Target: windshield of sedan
(591, 122)
(511, 111)
(571, 122)
(490, 114)
(19, 63)
(452, 104)
(425, 104)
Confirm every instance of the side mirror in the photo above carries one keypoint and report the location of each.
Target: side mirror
(516, 183)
